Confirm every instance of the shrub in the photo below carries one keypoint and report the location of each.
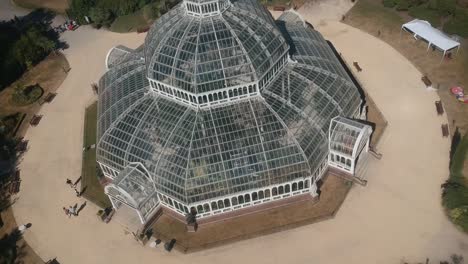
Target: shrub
(458, 24)
(425, 13)
(403, 5)
(24, 95)
(79, 9)
(389, 3)
(101, 16)
(151, 11)
(455, 190)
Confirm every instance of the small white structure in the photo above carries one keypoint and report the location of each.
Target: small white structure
(347, 140)
(423, 29)
(134, 188)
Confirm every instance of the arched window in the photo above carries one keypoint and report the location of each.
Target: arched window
(176, 204)
(343, 161)
(215, 97)
(170, 202)
(287, 188)
(186, 209)
(244, 90)
(220, 204)
(250, 89)
(301, 185)
(267, 193)
(261, 195)
(348, 162)
(307, 183)
(235, 92)
(254, 196)
(241, 199)
(214, 206)
(206, 207)
(210, 98)
(281, 190)
(294, 186)
(224, 94)
(274, 191)
(165, 199)
(230, 94)
(200, 208)
(234, 201)
(247, 198)
(227, 203)
(205, 99)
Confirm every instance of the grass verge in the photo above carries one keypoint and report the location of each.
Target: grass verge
(93, 190)
(129, 23)
(455, 194)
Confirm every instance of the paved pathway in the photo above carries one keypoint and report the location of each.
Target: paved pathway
(397, 216)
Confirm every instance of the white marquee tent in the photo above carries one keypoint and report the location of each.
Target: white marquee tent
(423, 29)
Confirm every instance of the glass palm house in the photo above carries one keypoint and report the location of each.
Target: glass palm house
(224, 108)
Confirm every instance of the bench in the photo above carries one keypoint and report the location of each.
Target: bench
(49, 97)
(439, 107)
(35, 120)
(356, 65)
(445, 130)
(426, 81)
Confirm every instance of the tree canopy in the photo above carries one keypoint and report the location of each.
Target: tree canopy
(24, 42)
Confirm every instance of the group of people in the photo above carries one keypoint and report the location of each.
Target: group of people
(74, 210)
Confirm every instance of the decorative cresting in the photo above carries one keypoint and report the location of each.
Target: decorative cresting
(204, 8)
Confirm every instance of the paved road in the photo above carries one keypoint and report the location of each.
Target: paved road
(397, 216)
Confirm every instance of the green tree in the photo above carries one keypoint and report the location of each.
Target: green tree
(151, 11)
(32, 47)
(79, 9)
(101, 16)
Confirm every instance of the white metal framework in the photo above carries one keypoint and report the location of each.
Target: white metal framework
(433, 36)
(347, 139)
(219, 112)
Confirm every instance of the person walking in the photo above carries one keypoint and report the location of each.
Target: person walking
(72, 211)
(78, 194)
(67, 212)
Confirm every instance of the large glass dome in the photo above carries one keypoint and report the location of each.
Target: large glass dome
(276, 85)
(198, 55)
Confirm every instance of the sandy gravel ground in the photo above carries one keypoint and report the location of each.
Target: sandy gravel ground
(397, 216)
(8, 10)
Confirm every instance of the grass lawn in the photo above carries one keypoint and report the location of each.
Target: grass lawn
(49, 74)
(374, 10)
(129, 23)
(455, 198)
(94, 190)
(58, 6)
